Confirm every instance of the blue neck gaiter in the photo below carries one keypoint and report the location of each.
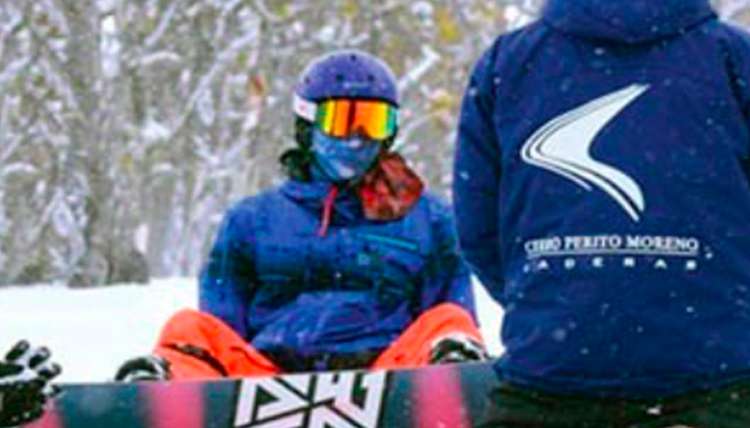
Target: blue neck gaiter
(342, 159)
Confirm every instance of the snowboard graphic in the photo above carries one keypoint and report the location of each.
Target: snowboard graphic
(438, 396)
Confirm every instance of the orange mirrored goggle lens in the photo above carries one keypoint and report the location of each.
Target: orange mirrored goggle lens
(342, 118)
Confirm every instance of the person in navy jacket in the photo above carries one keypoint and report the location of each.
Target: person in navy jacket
(602, 196)
(348, 264)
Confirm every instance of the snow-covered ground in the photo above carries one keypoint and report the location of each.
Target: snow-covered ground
(92, 331)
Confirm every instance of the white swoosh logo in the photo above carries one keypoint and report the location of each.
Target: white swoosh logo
(563, 146)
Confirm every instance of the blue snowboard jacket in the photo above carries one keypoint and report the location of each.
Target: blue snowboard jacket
(603, 196)
(297, 296)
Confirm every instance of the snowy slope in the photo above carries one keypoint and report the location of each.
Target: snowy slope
(92, 331)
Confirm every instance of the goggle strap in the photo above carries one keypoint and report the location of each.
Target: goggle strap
(304, 108)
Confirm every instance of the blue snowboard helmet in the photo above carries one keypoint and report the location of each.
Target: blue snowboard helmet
(348, 74)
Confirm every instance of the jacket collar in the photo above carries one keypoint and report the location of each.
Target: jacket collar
(312, 195)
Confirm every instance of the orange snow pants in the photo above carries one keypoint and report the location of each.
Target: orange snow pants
(198, 345)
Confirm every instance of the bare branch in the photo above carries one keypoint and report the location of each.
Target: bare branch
(164, 23)
(223, 59)
(429, 59)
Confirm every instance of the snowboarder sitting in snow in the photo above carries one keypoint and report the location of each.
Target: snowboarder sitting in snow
(347, 265)
(25, 374)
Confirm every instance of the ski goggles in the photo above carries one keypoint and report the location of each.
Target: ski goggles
(344, 118)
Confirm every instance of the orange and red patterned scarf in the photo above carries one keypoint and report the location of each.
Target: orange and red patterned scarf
(389, 189)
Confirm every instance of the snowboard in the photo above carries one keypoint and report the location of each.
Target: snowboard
(450, 396)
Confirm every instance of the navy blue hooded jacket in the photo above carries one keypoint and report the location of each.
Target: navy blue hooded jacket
(602, 196)
(301, 298)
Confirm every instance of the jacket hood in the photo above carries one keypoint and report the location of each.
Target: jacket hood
(626, 21)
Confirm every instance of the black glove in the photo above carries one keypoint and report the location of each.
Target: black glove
(25, 374)
(457, 348)
(146, 368)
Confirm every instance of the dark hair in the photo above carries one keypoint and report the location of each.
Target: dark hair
(296, 162)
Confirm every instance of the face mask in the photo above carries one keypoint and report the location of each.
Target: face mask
(342, 159)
